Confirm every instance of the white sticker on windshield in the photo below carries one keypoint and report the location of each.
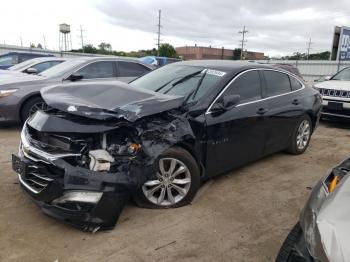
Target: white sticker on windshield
(216, 72)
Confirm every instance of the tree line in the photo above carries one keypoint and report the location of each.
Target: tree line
(165, 49)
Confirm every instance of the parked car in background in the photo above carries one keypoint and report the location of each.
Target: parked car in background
(336, 95)
(14, 58)
(290, 68)
(34, 66)
(158, 61)
(158, 137)
(20, 96)
(323, 230)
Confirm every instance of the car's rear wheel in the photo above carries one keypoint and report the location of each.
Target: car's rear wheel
(176, 183)
(301, 136)
(31, 106)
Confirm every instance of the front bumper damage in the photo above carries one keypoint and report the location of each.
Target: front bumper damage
(84, 198)
(325, 220)
(77, 195)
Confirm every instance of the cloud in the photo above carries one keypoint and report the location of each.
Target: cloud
(275, 27)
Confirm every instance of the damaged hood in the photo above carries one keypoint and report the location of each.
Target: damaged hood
(101, 101)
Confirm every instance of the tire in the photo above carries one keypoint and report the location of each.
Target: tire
(28, 105)
(188, 166)
(295, 147)
(285, 253)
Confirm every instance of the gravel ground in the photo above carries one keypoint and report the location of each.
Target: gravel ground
(241, 216)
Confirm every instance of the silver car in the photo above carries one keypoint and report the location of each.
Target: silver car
(20, 96)
(323, 230)
(34, 66)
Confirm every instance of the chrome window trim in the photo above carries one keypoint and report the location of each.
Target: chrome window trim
(258, 100)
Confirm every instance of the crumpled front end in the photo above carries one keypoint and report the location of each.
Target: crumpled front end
(83, 171)
(325, 219)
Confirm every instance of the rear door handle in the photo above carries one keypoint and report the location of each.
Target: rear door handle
(295, 102)
(262, 111)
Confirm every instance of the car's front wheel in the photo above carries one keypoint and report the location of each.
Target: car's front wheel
(176, 183)
(32, 105)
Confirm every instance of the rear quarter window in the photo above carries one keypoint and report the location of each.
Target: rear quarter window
(295, 84)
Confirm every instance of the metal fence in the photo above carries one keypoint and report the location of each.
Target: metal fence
(312, 70)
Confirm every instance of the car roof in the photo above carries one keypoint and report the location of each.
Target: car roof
(107, 58)
(49, 58)
(92, 58)
(226, 65)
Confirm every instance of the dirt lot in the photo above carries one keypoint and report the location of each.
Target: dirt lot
(241, 216)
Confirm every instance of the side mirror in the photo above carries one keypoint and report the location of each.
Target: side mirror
(75, 77)
(31, 71)
(225, 103)
(327, 78)
(230, 101)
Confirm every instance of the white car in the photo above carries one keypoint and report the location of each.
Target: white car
(336, 94)
(32, 66)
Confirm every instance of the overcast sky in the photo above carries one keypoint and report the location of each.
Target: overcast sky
(275, 27)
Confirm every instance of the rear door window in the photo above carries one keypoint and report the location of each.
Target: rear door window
(102, 69)
(131, 69)
(247, 86)
(277, 83)
(9, 60)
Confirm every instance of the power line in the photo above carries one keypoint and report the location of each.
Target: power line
(159, 26)
(81, 36)
(309, 48)
(44, 38)
(243, 41)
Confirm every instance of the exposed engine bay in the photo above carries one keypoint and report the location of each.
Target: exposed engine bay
(91, 168)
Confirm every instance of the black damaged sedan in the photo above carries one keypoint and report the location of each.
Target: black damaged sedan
(159, 137)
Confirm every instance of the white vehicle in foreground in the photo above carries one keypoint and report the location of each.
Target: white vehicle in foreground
(336, 94)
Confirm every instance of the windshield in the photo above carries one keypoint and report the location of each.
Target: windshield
(190, 81)
(343, 75)
(22, 65)
(62, 68)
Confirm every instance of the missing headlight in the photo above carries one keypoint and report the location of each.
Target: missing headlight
(124, 150)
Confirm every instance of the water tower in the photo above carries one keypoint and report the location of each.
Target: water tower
(65, 38)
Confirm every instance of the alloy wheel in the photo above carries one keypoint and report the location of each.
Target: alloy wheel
(303, 136)
(172, 184)
(38, 106)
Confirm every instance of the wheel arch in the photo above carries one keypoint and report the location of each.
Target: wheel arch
(313, 119)
(188, 145)
(24, 101)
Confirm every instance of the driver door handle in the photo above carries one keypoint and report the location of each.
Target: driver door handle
(295, 102)
(262, 111)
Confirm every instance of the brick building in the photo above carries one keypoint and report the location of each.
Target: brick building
(201, 52)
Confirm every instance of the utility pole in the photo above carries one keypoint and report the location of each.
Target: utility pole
(81, 30)
(44, 41)
(243, 41)
(308, 48)
(159, 26)
(21, 40)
